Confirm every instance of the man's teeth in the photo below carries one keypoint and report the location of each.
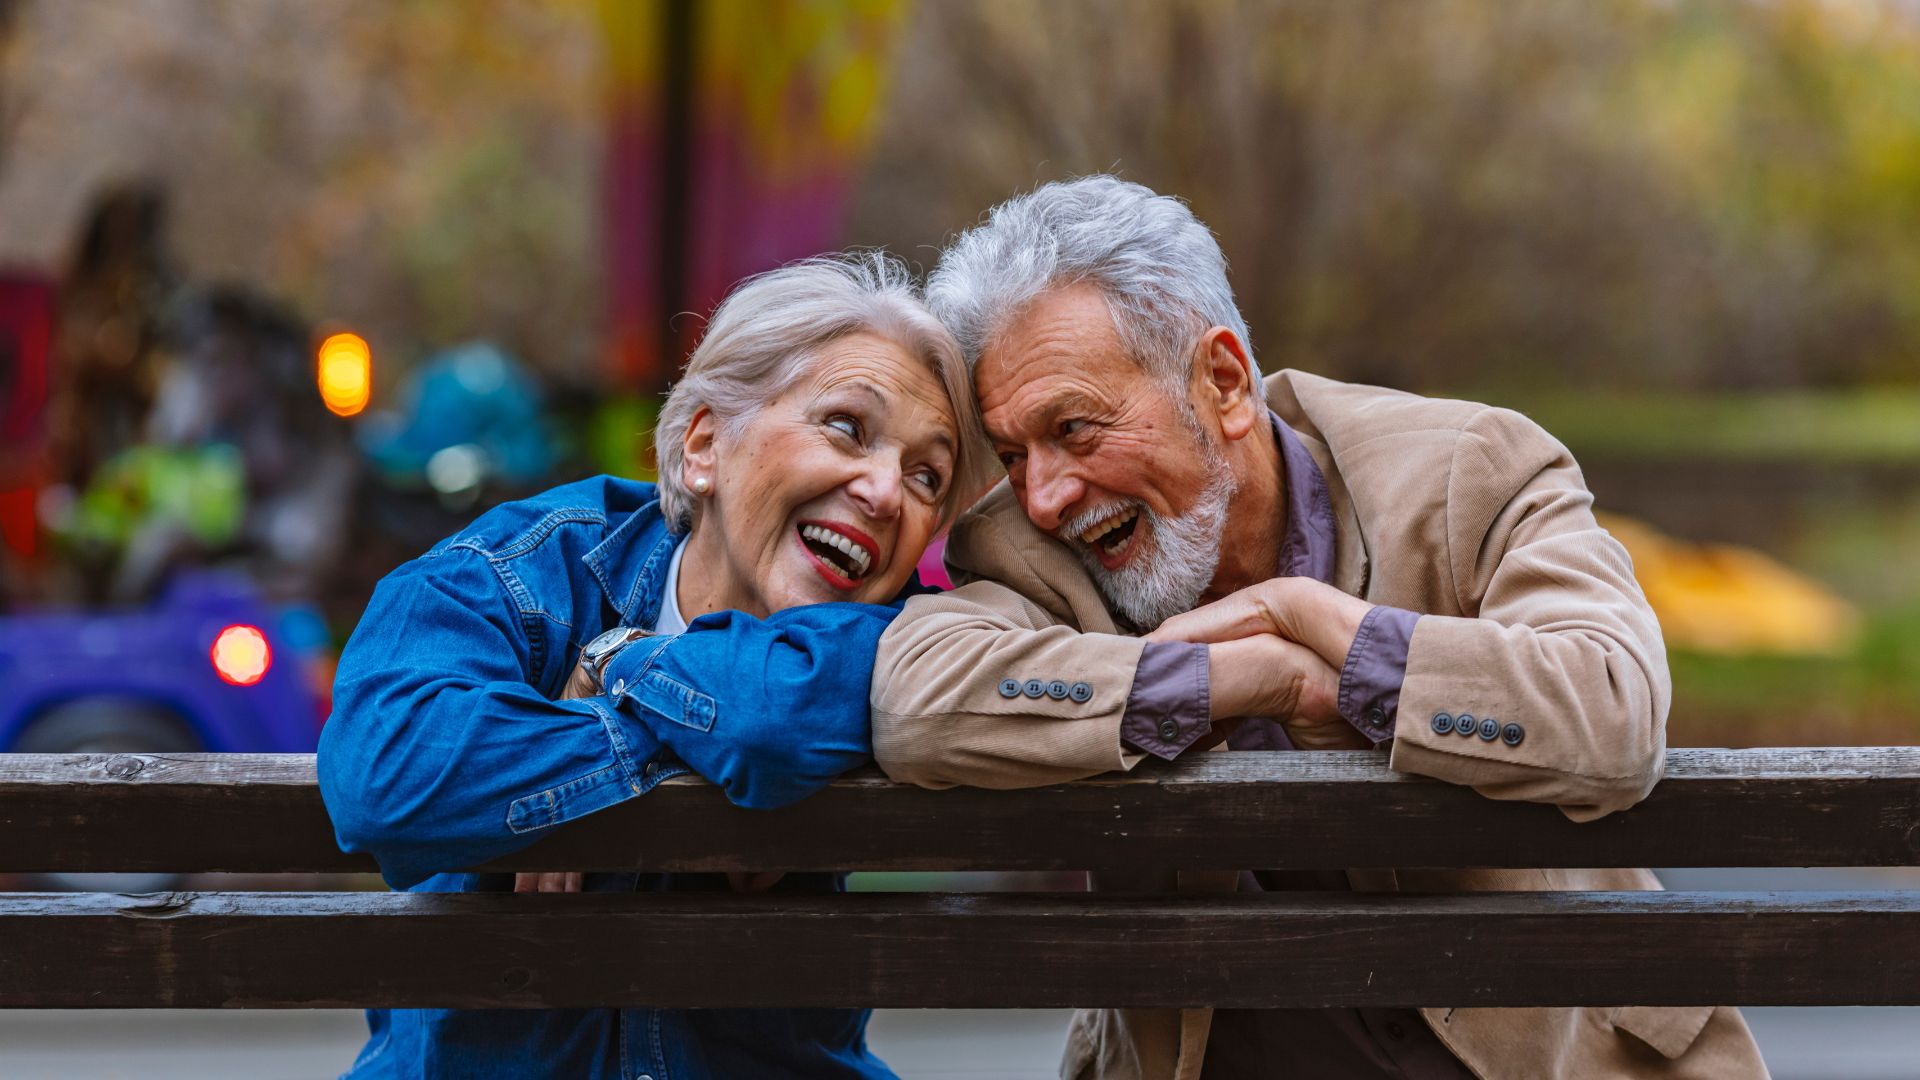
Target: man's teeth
(1102, 528)
(859, 555)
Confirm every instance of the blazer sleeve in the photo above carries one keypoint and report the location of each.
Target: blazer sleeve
(1562, 642)
(980, 686)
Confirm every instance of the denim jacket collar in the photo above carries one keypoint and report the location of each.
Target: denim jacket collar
(631, 564)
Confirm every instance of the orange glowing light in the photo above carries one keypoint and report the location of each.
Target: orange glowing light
(241, 655)
(346, 373)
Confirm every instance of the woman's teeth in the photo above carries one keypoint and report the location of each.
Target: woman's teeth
(1119, 518)
(857, 557)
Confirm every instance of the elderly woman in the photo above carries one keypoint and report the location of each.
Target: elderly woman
(823, 433)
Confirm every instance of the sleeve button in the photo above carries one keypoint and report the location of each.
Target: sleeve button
(1035, 688)
(1442, 723)
(1489, 729)
(1513, 734)
(1466, 725)
(1080, 692)
(1057, 690)
(1009, 687)
(1376, 718)
(1169, 729)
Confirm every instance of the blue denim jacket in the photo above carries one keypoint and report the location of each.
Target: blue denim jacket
(446, 749)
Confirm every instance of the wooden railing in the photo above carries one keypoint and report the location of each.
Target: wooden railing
(255, 813)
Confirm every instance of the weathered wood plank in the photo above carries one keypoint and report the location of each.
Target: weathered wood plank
(1769, 807)
(266, 950)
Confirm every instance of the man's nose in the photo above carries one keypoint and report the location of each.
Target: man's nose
(1050, 492)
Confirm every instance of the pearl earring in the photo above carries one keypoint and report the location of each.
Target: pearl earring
(701, 485)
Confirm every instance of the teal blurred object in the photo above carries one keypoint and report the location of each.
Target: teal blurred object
(469, 416)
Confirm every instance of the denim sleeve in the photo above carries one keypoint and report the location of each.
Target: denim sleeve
(439, 754)
(1375, 670)
(769, 709)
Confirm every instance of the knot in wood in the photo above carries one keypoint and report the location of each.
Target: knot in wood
(516, 978)
(125, 766)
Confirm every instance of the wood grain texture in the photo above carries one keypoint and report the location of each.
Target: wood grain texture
(262, 813)
(272, 950)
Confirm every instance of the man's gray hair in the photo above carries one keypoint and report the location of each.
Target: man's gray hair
(767, 332)
(1160, 269)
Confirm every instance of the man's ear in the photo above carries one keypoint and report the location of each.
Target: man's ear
(1227, 383)
(698, 455)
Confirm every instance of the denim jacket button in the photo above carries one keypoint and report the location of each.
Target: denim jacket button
(619, 687)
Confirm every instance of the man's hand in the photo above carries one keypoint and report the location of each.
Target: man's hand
(1276, 649)
(1267, 675)
(1301, 610)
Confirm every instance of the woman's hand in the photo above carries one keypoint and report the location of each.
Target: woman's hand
(562, 881)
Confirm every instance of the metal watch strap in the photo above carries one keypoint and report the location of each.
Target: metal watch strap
(602, 649)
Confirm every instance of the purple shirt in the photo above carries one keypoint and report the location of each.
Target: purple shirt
(1169, 705)
(1168, 709)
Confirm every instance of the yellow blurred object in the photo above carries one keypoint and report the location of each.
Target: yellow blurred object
(346, 373)
(1718, 598)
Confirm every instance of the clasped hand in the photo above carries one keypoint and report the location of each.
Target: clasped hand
(1276, 649)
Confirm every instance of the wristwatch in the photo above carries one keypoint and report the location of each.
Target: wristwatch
(601, 650)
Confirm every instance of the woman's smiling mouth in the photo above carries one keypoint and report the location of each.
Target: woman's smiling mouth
(841, 554)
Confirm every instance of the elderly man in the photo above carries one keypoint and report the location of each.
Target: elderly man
(1346, 566)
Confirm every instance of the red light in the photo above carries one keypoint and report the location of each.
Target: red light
(241, 656)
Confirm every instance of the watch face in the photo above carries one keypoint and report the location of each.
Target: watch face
(611, 640)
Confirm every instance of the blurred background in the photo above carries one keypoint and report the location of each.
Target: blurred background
(290, 290)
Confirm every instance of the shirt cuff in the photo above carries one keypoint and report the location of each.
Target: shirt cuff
(1169, 706)
(1375, 670)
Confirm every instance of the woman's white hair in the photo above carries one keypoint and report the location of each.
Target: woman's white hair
(1160, 269)
(771, 327)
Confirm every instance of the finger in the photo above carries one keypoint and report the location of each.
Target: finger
(526, 882)
(573, 882)
(1227, 619)
(553, 882)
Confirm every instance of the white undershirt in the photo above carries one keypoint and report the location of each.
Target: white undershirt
(669, 621)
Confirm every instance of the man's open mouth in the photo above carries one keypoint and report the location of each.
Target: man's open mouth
(840, 555)
(1112, 535)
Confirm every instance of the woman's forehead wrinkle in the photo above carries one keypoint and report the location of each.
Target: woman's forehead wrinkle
(896, 391)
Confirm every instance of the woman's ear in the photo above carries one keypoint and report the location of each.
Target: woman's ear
(1227, 382)
(697, 452)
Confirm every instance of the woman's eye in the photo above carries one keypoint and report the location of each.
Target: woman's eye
(929, 479)
(846, 425)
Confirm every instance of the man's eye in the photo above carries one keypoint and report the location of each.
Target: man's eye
(1072, 427)
(1009, 459)
(846, 425)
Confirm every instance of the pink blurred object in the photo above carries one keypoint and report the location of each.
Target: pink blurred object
(933, 565)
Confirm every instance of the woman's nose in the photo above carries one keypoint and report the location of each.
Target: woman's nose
(879, 486)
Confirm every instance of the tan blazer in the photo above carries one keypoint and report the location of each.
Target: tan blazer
(1471, 515)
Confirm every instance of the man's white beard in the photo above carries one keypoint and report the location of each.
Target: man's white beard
(1169, 578)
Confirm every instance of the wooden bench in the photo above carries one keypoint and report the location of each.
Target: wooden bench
(263, 814)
